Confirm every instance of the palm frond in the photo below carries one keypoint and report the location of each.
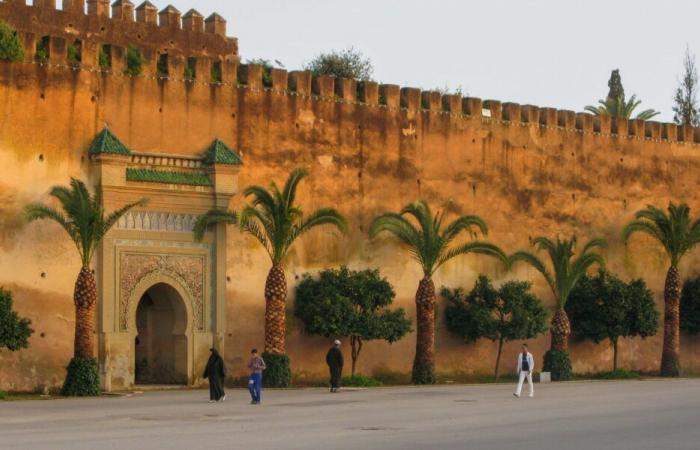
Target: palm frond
(290, 187)
(538, 265)
(114, 217)
(464, 223)
(212, 217)
(475, 247)
(593, 244)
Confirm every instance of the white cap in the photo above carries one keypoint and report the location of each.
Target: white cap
(336, 342)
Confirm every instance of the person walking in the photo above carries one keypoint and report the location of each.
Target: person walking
(526, 365)
(215, 372)
(256, 366)
(334, 359)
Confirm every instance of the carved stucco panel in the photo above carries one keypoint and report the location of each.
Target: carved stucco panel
(188, 270)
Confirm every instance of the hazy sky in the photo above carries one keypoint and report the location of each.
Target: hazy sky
(555, 53)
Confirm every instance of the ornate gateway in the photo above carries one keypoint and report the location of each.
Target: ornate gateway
(162, 295)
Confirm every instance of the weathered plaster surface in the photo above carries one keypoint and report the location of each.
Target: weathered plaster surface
(546, 175)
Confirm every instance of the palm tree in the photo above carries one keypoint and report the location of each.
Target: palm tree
(276, 222)
(565, 272)
(430, 244)
(83, 218)
(618, 107)
(615, 105)
(678, 235)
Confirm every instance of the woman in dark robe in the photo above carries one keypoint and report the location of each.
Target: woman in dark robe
(216, 372)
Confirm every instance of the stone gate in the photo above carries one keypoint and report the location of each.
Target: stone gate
(162, 294)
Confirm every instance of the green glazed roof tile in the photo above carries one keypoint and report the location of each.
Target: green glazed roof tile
(107, 142)
(220, 153)
(168, 177)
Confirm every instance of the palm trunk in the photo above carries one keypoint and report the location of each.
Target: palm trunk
(670, 359)
(356, 344)
(561, 330)
(424, 362)
(614, 346)
(498, 357)
(275, 310)
(85, 298)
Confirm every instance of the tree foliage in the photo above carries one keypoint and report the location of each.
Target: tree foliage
(267, 67)
(685, 100)
(605, 307)
(10, 46)
(508, 313)
(273, 218)
(134, 61)
(616, 105)
(83, 216)
(690, 306)
(14, 330)
(348, 63)
(565, 270)
(430, 243)
(674, 231)
(678, 234)
(354, 304)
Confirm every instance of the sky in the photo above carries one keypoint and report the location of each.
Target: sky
(555, 53)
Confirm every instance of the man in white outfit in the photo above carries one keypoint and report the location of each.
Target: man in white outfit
(526, 365)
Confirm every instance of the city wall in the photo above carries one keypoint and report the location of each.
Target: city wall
(371, 148)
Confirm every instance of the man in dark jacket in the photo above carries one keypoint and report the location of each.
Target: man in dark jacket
(216, 373)
(334, 359)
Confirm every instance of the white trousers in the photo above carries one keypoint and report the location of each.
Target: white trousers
(523, 375)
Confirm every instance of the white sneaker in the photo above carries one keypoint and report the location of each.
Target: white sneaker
(531, 395)
(212, 401)
(224, 398)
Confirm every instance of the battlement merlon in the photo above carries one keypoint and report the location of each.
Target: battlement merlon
(167, 31)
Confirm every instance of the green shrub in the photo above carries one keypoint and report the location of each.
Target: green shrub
(14, 330)
(10, 46)
(278, 373)
(349, 63)
(104, 58)
(216, 76)
(3, 395)
(558, 364)
(189, 73)
(360, 381)
(619, 374)
(690, 307)
(134, 61)
(42, 51)
(82, 379)
(74, 56)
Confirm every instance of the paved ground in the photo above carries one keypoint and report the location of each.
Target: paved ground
(592, 415)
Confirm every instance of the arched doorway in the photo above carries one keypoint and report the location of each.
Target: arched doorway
(161, 340)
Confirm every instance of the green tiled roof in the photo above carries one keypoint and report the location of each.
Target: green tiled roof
(219, 153)
(107, 142)
(168, 177)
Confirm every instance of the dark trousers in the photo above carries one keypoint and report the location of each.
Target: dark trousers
(336, 373)
(255, 386)
(216, 388)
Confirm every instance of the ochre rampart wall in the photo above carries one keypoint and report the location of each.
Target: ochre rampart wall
(528, 171)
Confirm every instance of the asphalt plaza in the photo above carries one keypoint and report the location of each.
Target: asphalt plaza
(650, 414)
